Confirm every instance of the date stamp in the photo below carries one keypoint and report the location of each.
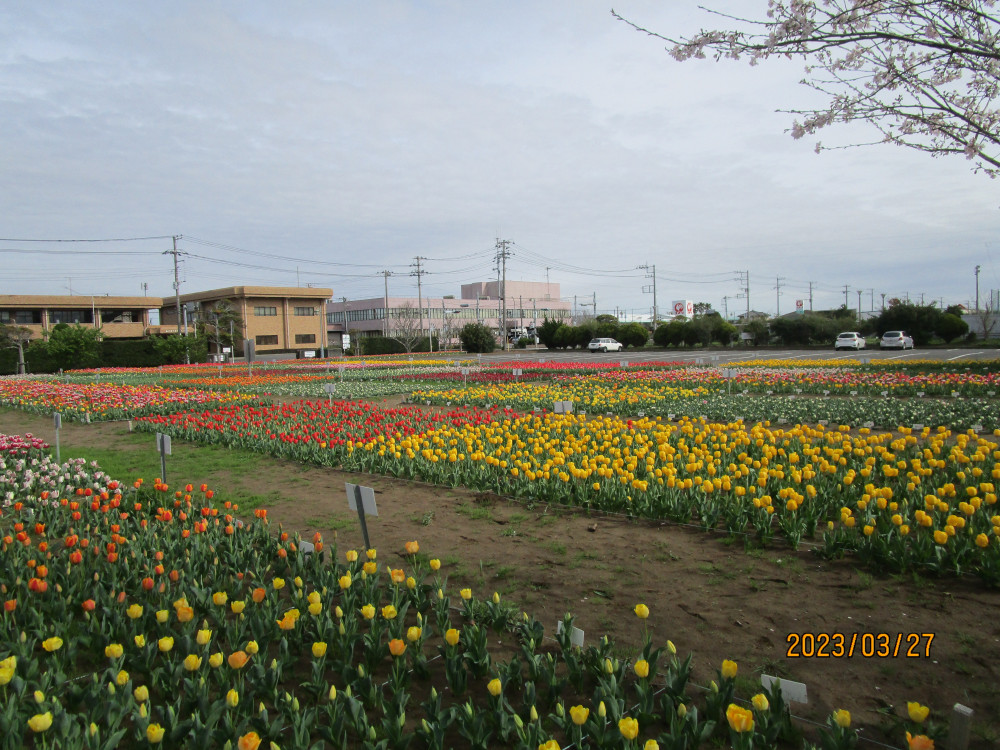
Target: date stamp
(867, 645)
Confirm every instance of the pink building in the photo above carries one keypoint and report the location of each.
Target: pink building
(527, 305)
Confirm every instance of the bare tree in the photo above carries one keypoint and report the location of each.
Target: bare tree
(987, 319)
(405, 326)
(924, 73)
(15, 337)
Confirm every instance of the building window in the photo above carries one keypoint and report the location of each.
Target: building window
(70, 316)
(305, 338)
(21, 317)
(269, 312)
(121, 316)
(267, 340)
(305, 311)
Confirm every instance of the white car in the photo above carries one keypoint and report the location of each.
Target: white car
(895, 340)
(604, 345)
(849, 340)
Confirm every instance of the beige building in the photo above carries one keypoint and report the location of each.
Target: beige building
(276, 318)
(117, 317)
(526, 305)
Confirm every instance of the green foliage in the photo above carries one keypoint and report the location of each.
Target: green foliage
(477, 338)
(129, 353)
(806, 329)
(605, 326)
(950, 327)
(175, 349)
(758, 331)
(670, 334)
(72, 347)
(383, 345)
(565, 337)
(633, 334)
(8, 361)
(699, 331)
(584, 333)
(724, 332)
(547, 333)
(920, 321)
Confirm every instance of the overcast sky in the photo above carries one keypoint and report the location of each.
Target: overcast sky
(323, 143)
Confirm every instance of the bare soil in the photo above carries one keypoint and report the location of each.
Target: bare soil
(704, 591)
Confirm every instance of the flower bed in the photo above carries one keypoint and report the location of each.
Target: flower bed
(150, 615)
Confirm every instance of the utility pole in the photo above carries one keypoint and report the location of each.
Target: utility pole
(859, 305)
(177, 281)
(846, 303)
(420, 299)
(744, 278)
(883, 300)
(777, 295)
(977, 288)
(811, 295)
(651, 273)
(725, 308)
(385, 304)
(872, 293)
(502, 253)
(347, 329)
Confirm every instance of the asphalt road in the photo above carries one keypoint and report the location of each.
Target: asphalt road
(721, 357)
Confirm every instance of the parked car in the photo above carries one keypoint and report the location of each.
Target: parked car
(604, 345)
(895, 340)
(849, 340)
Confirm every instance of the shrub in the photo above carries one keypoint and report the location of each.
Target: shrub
(477, 338)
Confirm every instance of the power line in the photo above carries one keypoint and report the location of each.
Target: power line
(35, 251)
(109, 239)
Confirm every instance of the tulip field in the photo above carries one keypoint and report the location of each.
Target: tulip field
(138, 612)
(139, 615)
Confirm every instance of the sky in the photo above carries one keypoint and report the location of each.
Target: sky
(326, 143)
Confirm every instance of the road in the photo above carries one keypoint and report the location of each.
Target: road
(722, 357)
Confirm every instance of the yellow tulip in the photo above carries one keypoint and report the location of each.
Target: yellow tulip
(628, 727)
(154, 733)
(728, 669)
(641, 611)
(579, 715)
(641, 668)
(740, 719)
(842, 718)
(40, 722)
(114, 651)
(918, 713)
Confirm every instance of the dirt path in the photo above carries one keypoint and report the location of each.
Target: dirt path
(705, 593)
